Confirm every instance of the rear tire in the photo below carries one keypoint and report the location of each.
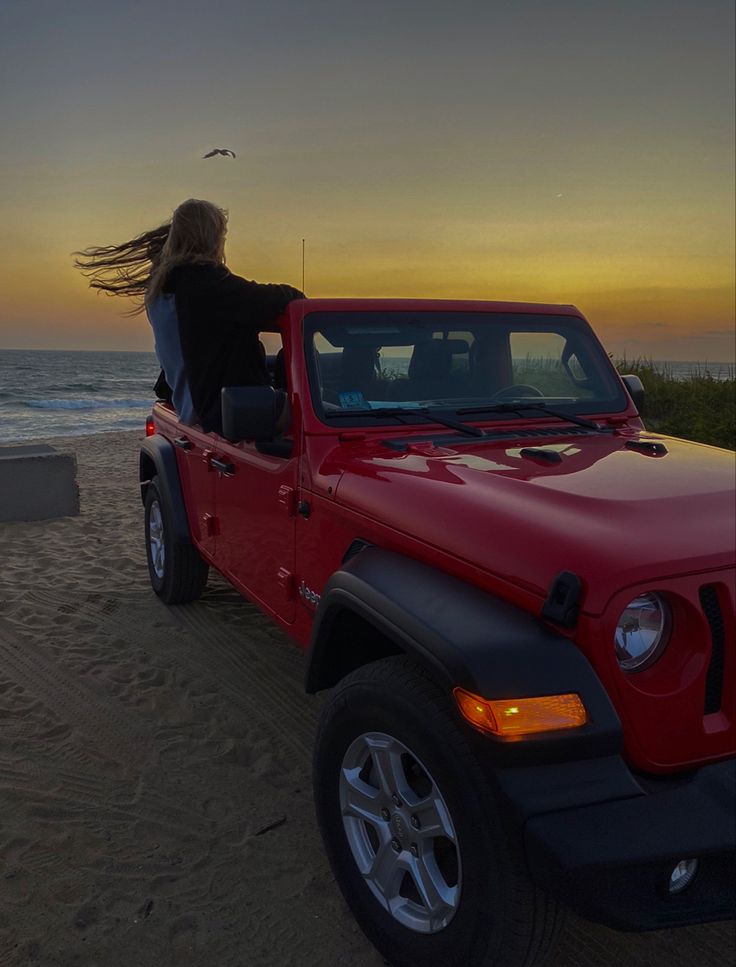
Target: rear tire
(177, 572)
(452, 899)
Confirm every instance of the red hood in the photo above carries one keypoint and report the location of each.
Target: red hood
(613, 515)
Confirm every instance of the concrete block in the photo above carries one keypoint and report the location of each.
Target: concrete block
(37, 482)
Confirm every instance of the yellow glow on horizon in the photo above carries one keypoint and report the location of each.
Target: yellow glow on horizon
(641, 278)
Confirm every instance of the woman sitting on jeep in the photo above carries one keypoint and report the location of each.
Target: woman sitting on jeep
(205, 319)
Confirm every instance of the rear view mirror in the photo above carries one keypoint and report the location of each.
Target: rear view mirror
(636, 391)
(250, 412)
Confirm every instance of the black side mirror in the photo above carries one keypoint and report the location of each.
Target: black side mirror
(250, 412)
(636, 391)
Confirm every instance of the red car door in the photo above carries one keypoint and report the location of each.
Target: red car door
(194, 450)
(255, 499)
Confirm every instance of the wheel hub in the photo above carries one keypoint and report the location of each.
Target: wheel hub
(156, 539)
(400, 832)
(399, 827)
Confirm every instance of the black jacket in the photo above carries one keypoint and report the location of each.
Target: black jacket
(220, 315)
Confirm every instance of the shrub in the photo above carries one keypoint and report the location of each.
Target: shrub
(699, 407)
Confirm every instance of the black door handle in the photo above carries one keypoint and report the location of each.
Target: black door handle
(223, 466)
(182, 443)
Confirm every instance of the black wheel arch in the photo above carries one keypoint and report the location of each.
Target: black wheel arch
(158, 459)
(380, 603)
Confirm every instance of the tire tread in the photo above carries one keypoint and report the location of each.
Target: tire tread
(185, 573)
(531, 933)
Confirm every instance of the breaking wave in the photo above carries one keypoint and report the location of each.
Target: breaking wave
(88, 404)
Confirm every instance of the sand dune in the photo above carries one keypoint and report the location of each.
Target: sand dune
(155, 803)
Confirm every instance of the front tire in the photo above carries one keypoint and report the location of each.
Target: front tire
(177, 572)
(432, 873)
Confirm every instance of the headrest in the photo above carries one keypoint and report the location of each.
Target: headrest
(359, 362)
(434, 357)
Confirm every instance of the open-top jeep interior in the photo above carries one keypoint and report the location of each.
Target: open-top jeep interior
(370, 361)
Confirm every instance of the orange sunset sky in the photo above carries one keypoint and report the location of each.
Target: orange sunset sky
(576, 152)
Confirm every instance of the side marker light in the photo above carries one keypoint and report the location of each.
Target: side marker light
(150, 427)
(521, 716)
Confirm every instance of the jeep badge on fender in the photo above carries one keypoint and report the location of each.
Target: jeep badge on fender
(310, 596)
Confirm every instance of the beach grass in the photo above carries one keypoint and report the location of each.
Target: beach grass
(701, 407)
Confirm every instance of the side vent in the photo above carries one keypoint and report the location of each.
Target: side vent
(563, 600)
(714, 681)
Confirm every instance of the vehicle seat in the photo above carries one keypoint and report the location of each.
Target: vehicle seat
(490, 364)
(279, 371)
(359, 370)
(430, 369)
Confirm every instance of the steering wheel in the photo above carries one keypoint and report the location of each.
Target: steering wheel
(518, 389)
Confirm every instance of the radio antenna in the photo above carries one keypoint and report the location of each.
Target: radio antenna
(303, 250)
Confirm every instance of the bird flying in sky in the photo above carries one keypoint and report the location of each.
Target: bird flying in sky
(225, 151)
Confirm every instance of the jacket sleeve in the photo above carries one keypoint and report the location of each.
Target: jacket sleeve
(270, 300)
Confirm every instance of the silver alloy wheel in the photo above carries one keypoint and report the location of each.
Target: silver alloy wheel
(156, 538)
(400, 832)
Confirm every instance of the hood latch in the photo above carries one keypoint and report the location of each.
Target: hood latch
(562, 604)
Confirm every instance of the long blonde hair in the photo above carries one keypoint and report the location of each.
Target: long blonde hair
(138, 268)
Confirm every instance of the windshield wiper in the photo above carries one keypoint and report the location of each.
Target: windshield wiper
(539, 407)
(399, 412)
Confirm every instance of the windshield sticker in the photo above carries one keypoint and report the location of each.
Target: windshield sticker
(353, 400)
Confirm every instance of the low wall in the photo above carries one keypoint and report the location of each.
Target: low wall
(37, 482)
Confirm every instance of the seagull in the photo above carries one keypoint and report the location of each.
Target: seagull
(225, 151)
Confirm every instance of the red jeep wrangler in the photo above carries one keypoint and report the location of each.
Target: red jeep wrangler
(523, 602)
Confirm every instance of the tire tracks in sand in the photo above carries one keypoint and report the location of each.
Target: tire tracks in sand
(64, 650)
(117, 737)
(217, 658)
(256, 668)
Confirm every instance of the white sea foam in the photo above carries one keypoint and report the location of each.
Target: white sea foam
(89, 404)
(58, 393)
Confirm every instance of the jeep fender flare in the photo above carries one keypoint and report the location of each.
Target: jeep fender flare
(464, 637)
(158, 459)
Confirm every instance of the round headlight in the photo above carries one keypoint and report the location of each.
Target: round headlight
(642, 632)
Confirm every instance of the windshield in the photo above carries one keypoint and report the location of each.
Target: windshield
(378, 361)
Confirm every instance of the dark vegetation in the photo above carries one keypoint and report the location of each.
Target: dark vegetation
(700, 407)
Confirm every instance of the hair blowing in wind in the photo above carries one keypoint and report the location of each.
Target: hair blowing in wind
(137, 268)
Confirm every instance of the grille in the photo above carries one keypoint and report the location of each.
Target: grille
(714, 681)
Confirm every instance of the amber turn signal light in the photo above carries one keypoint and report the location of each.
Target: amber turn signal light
(521, 716)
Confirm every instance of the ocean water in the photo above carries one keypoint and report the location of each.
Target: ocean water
(45, 393)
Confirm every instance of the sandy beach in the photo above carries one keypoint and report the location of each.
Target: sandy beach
(155, 799)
